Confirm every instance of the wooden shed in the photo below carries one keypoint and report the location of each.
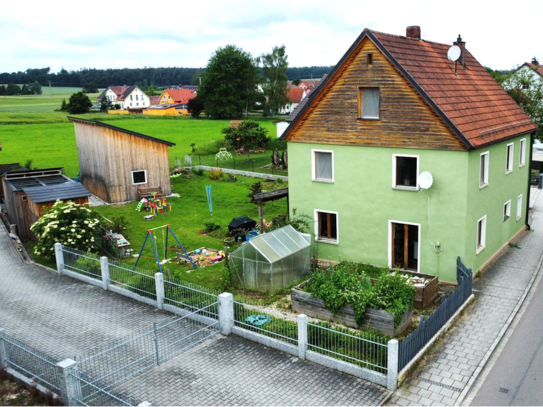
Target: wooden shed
(27, 193)
(114, 163)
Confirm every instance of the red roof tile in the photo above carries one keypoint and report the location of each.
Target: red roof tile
(180, 95)
(295, 95)
(536, 68)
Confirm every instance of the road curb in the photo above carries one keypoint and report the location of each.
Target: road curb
(500, 336)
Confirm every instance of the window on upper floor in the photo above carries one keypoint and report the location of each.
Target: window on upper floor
(405, 171)
(509, 158)
(326, 226)
(522, 158)
(370, 59)
(519, 207)
(481, 235)
(131, 97)
(483, 170)
(368, 103)
(322, 165)
(507, 210)
(136, 97)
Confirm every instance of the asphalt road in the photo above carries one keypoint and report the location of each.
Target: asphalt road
(517, 376)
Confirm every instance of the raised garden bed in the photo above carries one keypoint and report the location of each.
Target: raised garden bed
(427, 291)
(381, 320)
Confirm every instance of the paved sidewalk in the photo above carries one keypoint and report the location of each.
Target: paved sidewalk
(63, 318)
(456, 359)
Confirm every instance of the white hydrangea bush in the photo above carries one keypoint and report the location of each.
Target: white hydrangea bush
(71, 224)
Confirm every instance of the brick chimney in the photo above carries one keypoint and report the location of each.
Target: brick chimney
(413, 31)
(462, 45)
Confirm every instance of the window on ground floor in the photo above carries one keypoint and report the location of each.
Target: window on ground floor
(519, 207)
(507, 210)
(481, 234)
(326, 226)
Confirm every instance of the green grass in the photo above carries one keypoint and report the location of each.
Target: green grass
(187, 218)
(48, 139)
(43, 103)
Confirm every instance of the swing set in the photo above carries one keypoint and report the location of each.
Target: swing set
(165, 233)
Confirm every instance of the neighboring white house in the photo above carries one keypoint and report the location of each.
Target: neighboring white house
(127, 97)
(296, 95)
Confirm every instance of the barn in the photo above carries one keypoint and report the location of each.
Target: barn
(115, 163)
(28, 192)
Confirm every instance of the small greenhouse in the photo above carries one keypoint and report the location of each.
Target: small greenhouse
(272, 261)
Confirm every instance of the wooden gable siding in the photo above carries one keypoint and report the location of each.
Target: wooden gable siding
(406, 120)
(107, 158)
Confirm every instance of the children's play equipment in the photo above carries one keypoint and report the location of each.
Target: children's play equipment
(223, 154)
(166, 230)
(154, 203)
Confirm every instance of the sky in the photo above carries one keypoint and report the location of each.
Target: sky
(136, 34)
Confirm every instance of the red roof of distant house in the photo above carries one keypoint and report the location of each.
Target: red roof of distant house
(295, 94)
(536, 68)
(471, 102)
(122, 92)
(180, 95)
(154, 100)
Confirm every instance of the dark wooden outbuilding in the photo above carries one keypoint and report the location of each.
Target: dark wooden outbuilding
(28, 193)
(114, 163)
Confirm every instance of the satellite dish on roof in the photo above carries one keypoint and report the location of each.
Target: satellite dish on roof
(454, 53)
(425, 180)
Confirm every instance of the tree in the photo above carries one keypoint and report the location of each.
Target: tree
(90, 88)
(248, 134)
(526, 88)
(275, 67)
(499, 76)
(2, 90)
(79, 103)
(13, 89)
(64, 105)
(229, 84)
(36, 88)
(195, 107)
(26, 90)
(152, 91)
(296, 81)
(71, 224)
(105, 104)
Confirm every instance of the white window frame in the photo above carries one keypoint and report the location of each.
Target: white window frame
(402, 187)
(484, 182)
(506, 210)
(139, 183)
(390, 254)
(314, 170)
(522, 157)
(509, 162)
(316, 221)
(480, 248)
(519, 207)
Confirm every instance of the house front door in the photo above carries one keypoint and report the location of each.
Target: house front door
(405, 246)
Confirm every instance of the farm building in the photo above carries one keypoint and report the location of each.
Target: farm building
(28, 192)
(115, 163)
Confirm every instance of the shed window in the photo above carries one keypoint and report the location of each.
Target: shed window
(326, 226)
(139, 177)
(368, 103)
(405, 171)
(509, 158)
(522, 158)
(323, 166)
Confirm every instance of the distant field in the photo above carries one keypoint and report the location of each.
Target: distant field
(48, 139)
(46, 102)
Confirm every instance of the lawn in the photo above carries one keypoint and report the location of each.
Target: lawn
(48, 101)
(48, 139)
(189, 214)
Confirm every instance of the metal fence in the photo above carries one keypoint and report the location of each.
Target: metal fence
(30, 362)
(262, 163)
(361, 349)
(428, 327)
(190, 297)
(81, 262)
(142, 283)
(113, 363)
(265, 322)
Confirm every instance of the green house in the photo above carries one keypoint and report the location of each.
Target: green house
(409, 154)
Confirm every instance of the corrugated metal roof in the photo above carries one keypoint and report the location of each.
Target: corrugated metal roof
(50, 193)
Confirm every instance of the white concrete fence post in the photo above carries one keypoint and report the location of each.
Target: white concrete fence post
(226, 313)
(159, 283)
(70, 387)
(104, 266)
(60, 257)
(3, 350)
(392, 364)
(302, 336)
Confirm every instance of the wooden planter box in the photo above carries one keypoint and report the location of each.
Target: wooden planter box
(427, 294)
(305, 303)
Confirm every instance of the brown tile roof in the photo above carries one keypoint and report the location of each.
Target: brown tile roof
(471, 102)
(295, 95)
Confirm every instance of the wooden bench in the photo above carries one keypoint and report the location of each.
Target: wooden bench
(142, 192)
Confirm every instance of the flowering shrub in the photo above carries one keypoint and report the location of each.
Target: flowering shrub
(216, 173)
(68, 223)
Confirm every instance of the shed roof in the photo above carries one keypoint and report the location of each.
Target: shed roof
(470, 101)
(108, 126)
(50, 193)
(278, 244)
(19, 184)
